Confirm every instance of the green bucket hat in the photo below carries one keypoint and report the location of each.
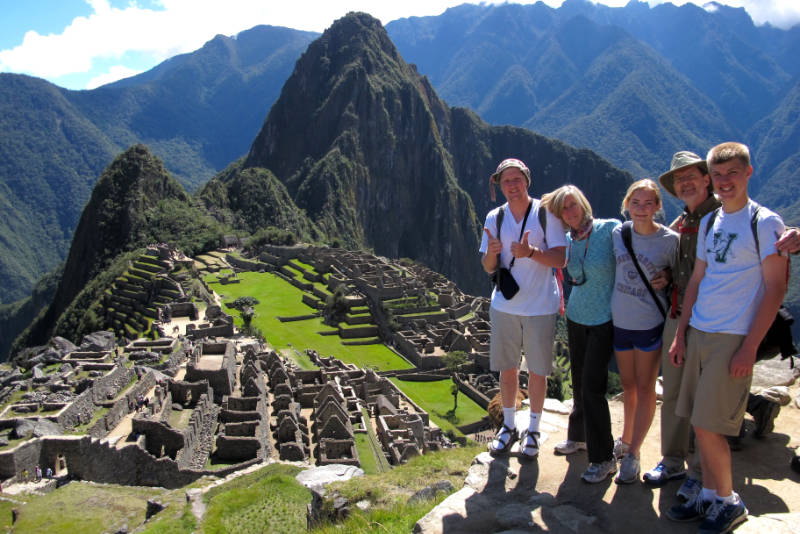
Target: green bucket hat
(681, 160)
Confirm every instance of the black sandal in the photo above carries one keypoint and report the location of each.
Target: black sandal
(505, 446)
(528, 449)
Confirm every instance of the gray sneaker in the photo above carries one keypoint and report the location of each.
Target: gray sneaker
(629, 470)
(569, 447)
(598, 472)
(620, 448)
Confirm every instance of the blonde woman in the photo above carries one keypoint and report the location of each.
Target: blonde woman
(637, 304)
(590, 272)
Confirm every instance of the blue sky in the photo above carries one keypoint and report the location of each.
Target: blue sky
(82, 44)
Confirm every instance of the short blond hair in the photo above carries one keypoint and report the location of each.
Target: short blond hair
(725, 152)
(645, 183)
(554, 201)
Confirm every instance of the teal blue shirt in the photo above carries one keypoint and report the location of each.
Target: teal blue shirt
(590, 304)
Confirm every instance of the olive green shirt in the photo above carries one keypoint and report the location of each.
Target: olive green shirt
(687, 224)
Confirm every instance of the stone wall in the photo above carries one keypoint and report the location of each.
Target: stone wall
(78, 412)
(198, 434)
(107, 387)
(247, 265)
(221, 380)
(122, 407)
(160, 439)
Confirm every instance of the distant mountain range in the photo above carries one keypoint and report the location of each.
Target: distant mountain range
(635, 84)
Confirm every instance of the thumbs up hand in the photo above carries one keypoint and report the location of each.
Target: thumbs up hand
(494, 244)
(523, 249)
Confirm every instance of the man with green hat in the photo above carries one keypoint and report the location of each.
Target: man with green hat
(688, 180)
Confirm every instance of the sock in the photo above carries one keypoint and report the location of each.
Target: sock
(733, 498)
(708, 495)
(533, 426)
(508, 417)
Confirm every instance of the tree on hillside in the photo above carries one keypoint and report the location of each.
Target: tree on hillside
(336, 306)
(453, 361)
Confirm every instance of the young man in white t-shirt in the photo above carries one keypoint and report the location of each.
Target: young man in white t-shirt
(733, 295)
(527, 319)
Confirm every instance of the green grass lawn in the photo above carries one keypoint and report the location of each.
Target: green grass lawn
(279, 298)
(268, 500)
(436, 399)
(65, 510)
(365, 455)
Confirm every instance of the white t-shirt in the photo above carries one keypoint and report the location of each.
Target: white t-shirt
(538, 291)
(733, 285)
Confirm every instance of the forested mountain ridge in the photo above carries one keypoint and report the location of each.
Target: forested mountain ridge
(198, 112)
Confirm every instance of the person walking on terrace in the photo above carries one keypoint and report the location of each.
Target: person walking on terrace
(590, 333)
(525, 300)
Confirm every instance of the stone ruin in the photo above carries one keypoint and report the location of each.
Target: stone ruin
(201, 397)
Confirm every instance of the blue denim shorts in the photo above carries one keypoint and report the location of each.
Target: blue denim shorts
(644, 340)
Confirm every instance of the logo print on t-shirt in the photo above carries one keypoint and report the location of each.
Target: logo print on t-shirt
(721, 245)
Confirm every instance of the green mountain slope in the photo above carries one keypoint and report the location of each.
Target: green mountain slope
(48, 152)
(198, 112)
(134, 203)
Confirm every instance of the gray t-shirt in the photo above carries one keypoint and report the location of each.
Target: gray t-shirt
(632, 307)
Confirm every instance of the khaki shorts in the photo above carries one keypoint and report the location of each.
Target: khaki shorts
(713, 399)
(513, 333)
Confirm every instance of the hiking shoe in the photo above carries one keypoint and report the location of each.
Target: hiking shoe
(528, 445)
(629, 470)
(620, 448)
(691, 510)
(690, 489)
(568, 446)
(722, 517)
(503, 440)
(661, 474)
(764, 416)
(598, 472)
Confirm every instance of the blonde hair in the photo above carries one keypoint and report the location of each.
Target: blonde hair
(554, 201)
(725, 152)
(645, 183)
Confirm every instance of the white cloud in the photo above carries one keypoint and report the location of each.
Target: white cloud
(117, 72)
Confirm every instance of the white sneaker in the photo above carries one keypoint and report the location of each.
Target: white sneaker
(568, 446)
(620, 448)
(598, 472)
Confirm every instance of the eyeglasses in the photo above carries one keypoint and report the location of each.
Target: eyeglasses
(581, 279)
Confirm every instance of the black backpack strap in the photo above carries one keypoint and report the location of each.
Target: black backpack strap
(754, 228)
(500, 215)
(627, 240)
(711, 220)
(542, 215)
